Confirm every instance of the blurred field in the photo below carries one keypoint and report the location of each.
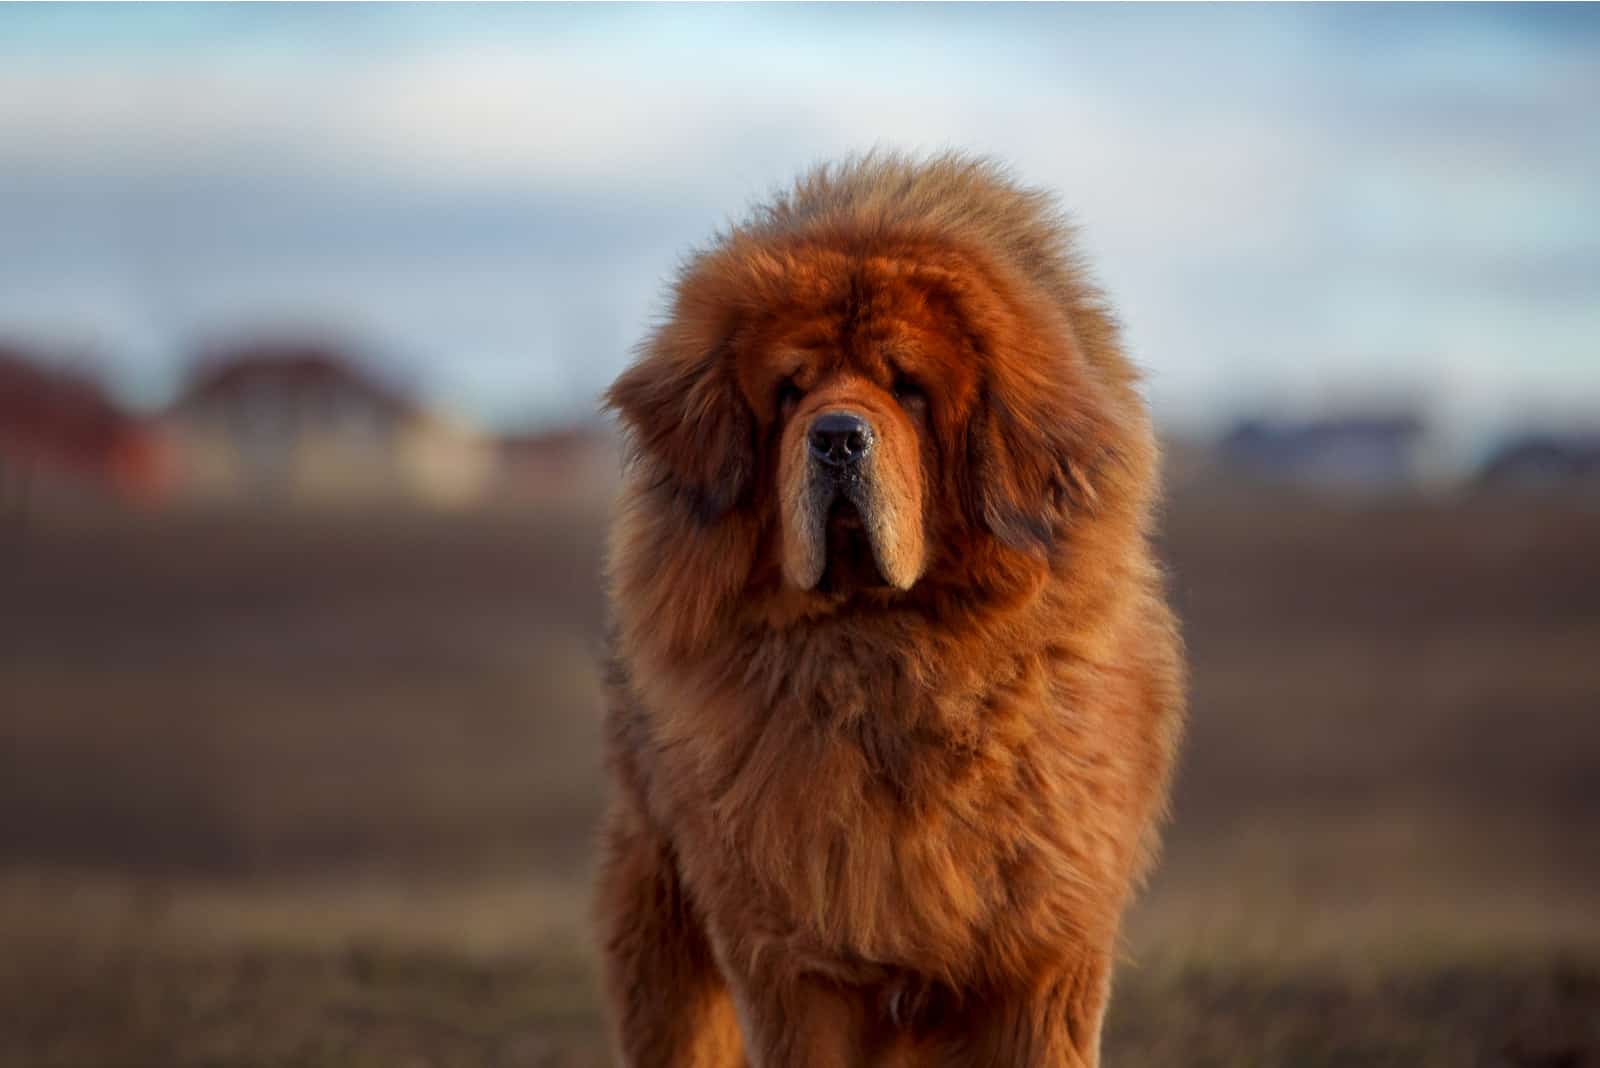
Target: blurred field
(320, 790)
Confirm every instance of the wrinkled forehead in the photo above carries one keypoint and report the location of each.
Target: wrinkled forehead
(877, 318)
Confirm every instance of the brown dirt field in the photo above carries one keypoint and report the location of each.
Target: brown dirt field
(282, 789)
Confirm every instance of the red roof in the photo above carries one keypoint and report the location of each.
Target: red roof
(64, 421)
(297, 368)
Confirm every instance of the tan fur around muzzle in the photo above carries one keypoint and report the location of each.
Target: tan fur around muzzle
(890, 503)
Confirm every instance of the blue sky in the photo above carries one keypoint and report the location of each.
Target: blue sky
(1296, 206)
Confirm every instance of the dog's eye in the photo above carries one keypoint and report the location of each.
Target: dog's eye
(908, 393)
(788, 395)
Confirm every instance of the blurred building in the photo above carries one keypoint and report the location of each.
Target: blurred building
(1370, 451)
(59, 429)
(570, 461)
(304, 422)
(1542, 460)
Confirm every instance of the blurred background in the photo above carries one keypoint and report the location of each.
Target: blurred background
(304, 312)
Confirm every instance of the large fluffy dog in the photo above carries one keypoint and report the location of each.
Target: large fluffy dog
(895, 690)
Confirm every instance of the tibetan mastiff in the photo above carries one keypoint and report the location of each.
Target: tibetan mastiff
(895, 691)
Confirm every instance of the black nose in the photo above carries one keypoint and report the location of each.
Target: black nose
(840, 439)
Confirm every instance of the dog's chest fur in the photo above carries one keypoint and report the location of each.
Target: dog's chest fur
(864, 819)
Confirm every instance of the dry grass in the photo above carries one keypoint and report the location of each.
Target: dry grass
(281, 790)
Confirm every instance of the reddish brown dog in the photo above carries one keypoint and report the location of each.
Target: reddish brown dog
(896, 690)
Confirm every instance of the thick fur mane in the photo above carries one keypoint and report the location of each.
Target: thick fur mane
(932, 792)
(885, 199)
(962, 199)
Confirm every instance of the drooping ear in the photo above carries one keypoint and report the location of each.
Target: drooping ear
(1030, 470)
(1045, 442)
(682, 406)
(1041, 430)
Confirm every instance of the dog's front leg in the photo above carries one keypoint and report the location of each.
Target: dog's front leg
(802, 1021)
(1053, 1021)
(669, 1002)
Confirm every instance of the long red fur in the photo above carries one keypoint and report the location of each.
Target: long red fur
(894, 827)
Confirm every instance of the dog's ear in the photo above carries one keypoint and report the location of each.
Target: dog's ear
(1040, 438)
(1029, 469)
(681, 404)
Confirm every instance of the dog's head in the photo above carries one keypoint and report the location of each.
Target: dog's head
(889, 409)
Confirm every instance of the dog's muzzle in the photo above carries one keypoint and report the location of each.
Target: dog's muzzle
(838, 506)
